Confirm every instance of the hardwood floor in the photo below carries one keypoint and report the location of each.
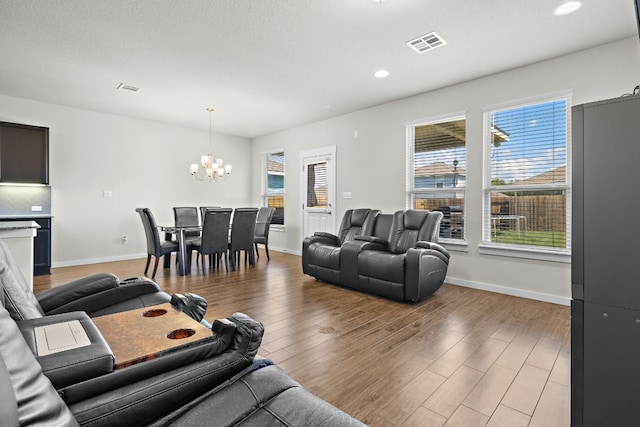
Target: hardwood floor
(463, 357)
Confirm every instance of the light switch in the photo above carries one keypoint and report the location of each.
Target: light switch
(107, 193)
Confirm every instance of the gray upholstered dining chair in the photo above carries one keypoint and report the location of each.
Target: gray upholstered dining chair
(263, 223)
(242, 232)
(203, 211)
(215, 238)
(155, 246)
(186, 216)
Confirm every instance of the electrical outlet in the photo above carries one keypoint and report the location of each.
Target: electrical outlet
(107, 193)
(347, 195)
(36, 208)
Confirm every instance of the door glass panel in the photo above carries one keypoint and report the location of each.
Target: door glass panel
(317, 185)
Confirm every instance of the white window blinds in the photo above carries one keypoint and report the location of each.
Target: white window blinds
(437, 179)
(527, 187)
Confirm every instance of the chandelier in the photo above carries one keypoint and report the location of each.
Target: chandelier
(215, 170)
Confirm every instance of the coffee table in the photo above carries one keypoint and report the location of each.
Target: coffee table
(146, 333)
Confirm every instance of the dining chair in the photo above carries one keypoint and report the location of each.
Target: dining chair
(203, 211)
(186, 216)
(263, 223)
(215, 238)
(155, 246)
(242, 231)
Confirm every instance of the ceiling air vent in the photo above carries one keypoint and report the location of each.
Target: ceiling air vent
(427, 42)
(128, 88)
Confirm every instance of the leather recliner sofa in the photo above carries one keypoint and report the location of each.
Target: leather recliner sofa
(399, 259)
(217, 382)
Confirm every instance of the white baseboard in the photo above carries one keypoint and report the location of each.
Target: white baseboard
(284, 250)
(555, 299)
(72, 263)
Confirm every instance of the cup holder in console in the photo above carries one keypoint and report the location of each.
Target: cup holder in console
(154, 313)
(179, 334)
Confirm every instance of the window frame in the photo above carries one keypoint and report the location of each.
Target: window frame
(265, 185)
(459, 244)
(545, 253)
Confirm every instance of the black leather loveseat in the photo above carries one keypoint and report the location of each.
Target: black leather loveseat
(396, 256)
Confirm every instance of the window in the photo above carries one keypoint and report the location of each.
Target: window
(436, 173)
(274, 186)
(526, 182)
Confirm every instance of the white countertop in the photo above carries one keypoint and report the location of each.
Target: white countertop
(18, 225)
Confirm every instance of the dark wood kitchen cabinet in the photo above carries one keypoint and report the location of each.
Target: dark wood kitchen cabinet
(42, 247)
(41, 243)
(24, 154)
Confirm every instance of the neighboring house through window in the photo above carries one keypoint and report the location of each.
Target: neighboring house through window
(526, 188)
(273, 195)
(436, 174)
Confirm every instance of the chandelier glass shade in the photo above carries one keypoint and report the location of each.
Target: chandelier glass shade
(214, 169)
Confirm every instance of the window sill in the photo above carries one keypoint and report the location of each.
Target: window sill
(526, 253)
(455, 245)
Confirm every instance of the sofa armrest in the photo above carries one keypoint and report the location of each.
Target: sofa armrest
(425, 271)
(61, 295)
(421, 244)
(97, 296)
(326, 235)
(73, 365)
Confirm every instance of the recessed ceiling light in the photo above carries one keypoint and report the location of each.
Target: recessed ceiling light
(379, 1)
(567, 7)
(381, 74)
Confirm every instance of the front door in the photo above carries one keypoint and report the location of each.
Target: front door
(318, 188)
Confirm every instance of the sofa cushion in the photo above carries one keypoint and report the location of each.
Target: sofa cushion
(382, 265)
(324, 256)
(38, 402)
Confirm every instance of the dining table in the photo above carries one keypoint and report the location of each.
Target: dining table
(184, 267)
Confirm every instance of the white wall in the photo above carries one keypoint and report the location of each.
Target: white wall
(604, 72)
(143, 163)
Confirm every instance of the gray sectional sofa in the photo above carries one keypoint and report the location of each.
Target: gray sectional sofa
(218, 381)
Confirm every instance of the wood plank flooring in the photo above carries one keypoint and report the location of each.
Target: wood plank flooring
(463, 357)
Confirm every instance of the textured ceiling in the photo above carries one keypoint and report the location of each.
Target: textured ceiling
(268, 65)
